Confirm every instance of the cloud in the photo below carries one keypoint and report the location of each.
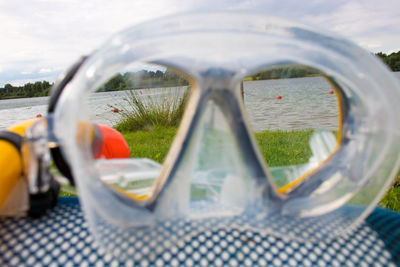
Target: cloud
(54, 34)
(15, 77)
(43, 35)
(44, 70)
(375, 27)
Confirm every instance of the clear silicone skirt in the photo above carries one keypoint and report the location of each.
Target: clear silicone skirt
(214, 176)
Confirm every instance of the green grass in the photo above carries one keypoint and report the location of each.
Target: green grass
(64, 193)
(282, 148)
(391, 199)
(279, 148)
(153, 144)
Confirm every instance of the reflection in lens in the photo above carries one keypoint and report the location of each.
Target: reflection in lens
(134, 117)
(294, 113)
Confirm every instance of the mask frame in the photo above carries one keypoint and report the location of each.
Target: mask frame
(368, 143)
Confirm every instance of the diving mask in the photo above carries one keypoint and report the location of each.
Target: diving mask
(214, 176)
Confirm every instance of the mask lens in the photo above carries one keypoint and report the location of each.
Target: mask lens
(134, 119)
(295, 116)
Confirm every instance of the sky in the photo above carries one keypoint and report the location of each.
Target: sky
(41, 38)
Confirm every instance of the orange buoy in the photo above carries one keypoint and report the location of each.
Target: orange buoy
(330, 91)
(38, 115)
(109, 143)
(115, 110)
(278, 97)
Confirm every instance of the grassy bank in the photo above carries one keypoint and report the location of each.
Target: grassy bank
(152, 144)
(392, 199)
(279, 148)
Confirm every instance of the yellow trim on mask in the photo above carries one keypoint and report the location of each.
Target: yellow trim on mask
(131, 195)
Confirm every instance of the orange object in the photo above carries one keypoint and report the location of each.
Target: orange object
(109, 143)
(278, 97)
(116, 110)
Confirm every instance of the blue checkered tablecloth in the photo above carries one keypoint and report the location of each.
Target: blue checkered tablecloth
(62, 238)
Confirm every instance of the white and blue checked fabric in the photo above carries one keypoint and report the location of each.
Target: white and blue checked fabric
(62, 238)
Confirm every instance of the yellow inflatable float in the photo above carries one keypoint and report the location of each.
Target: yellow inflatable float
(20, 189)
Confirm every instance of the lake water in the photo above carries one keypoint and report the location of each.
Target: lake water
(305, 104)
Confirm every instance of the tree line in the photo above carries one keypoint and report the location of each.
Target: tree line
(26, 90)
(144, 79)
(392, 60)
(126, 81)
(170, 78)
(282, 72)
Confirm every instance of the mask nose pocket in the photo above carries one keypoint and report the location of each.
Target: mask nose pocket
(217, 172)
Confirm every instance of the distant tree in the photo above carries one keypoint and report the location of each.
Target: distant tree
(159, 74)
(128, 80)
(281, 72)
(392, 60)
(26, 90)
